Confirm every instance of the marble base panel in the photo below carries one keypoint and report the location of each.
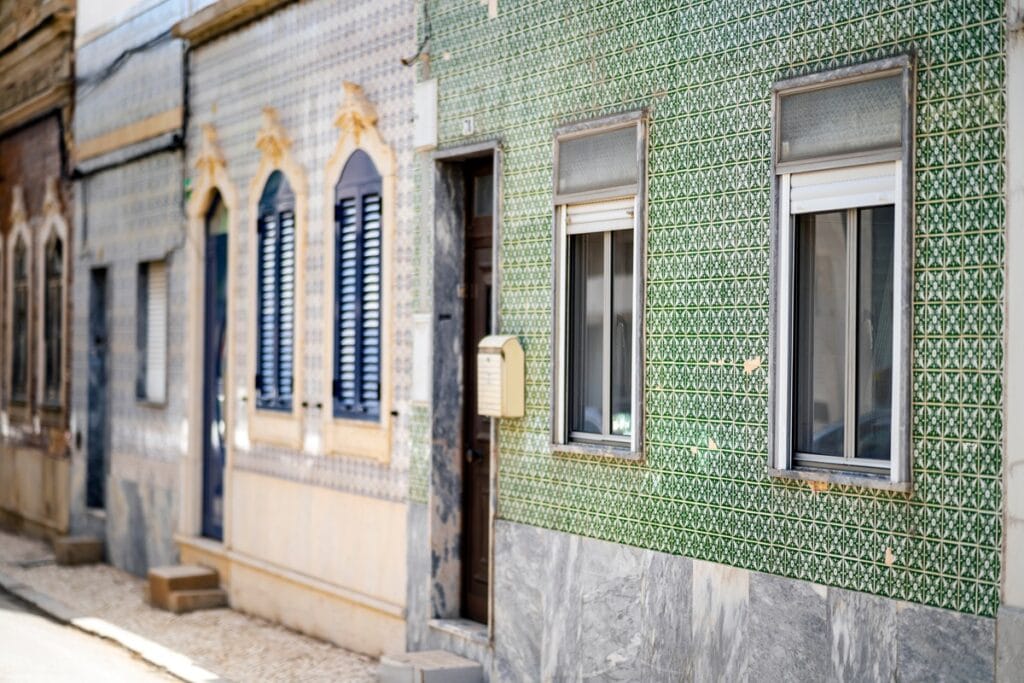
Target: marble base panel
(568, 608)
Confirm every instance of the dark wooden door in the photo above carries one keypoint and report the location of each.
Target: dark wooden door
(476, 430)
(214, 367)
(96, 453)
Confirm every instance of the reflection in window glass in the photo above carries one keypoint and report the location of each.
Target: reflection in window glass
(586, 325)
(819, 386)
(622, 331)
(874, 334)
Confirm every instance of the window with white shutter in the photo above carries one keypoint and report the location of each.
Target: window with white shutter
(275, 296)
(599, 181)
(841, 271)
(151, 385)
(357, 289)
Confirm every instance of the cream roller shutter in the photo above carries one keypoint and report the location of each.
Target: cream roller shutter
(843, 188)
(617, 214)
(156, 332)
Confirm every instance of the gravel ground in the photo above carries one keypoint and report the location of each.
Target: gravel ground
(237, 646)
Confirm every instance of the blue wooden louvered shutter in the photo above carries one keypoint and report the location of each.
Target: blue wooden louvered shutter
(358, 290)
(275, 319)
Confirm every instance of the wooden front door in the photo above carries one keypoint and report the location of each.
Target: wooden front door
(476, 430)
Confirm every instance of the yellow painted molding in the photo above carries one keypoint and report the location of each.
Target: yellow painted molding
(211, 179)
(221, 17)
(356, 121)
(150, 127)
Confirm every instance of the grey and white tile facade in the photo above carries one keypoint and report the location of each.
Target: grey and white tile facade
(295, 60)
(130, 210)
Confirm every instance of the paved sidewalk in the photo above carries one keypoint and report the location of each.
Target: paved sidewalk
(236, 646)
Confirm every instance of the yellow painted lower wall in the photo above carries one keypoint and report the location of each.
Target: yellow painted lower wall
(343, 539)
(303, 608)
(34, 489)
(320, 561)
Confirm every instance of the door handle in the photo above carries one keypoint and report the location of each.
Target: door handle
(472, 455)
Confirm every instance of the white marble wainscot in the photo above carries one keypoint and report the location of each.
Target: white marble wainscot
(1009, 644)
(568, 608)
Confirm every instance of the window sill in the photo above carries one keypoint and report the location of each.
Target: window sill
(358, 439)
(597, 450)
(147, 403)
(866, 481)
(473, 631)
(275, 428)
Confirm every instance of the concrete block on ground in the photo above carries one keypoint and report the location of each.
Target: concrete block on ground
(429, 666)
(74, 550)
(180, 602)
(163, 581)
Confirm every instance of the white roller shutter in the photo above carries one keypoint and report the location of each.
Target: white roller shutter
(617, 214)
(843, 188)
(156, 332)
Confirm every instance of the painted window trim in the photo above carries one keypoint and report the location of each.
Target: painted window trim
(20, 409)
(897, 476)
(277, 427)
(357, 123)
(211, 179)
(54, 225)
(560, 438)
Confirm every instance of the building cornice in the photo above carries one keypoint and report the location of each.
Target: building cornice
(56, 97)
(221, 17)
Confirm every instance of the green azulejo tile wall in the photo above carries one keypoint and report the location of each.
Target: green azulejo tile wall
(704, 69)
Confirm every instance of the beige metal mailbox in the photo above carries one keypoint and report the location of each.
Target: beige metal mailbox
(499, 376)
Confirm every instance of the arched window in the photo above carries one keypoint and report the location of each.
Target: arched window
(53, 320)
(275, 284)
(19, 323)
(357, 289)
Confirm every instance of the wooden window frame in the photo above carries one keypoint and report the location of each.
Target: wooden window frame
(282, 428)
(357, 123)
(281, 207)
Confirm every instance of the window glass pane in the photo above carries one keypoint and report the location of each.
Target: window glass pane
(622, 332)
(586, 324)
(876, 232)
(19, 360)
(820, 346)
(483, 195)
(855, 117)
(595, 162)
(52, 327)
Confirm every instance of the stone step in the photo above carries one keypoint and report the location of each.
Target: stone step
(429, 666)
(192, 600)
(166, 580)
(74, 550)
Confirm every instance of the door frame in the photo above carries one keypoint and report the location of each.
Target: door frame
(211, 179)
(444, 499)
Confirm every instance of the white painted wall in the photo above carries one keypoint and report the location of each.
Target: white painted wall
(1013, 472)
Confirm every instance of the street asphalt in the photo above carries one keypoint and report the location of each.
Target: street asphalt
(35, 648)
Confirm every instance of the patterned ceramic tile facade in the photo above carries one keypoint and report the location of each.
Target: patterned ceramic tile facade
(704, 68)
(232, 79)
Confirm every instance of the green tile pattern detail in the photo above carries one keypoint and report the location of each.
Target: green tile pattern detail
(705, 68)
